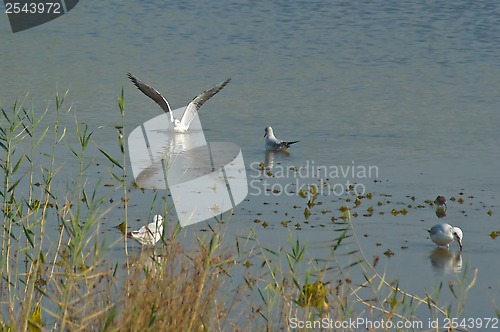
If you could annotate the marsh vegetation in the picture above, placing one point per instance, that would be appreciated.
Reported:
(56, 275)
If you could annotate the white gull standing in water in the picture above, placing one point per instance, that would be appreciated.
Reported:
(444, 234)
(272, 143)
(181, 125)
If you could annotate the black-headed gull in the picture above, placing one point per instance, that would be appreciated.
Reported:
(444, 234)
(441, 207)
(149, 234)
(272, 143)
(181, 125)
(440, 202)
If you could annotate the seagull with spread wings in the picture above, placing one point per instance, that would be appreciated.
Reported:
(181, 125)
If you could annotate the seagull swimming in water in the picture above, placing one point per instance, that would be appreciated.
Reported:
(272, 143)
(444, 234)
(441, 207)
(150, 234)
(181, 125)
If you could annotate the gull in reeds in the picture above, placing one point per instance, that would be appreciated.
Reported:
(182, 124)
(444, 234)
(149, 234)
(273, 143)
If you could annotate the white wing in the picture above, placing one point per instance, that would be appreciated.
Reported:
(277, 144)
(141, 230)
(198, 101)
(153, 94)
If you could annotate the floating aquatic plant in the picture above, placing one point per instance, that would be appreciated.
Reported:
(494, 234)
(122, 227)
(307, 213)
(389, 253)
(344, 208)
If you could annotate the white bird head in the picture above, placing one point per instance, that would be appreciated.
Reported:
(458, 236)
(179, 127)
(268, 132)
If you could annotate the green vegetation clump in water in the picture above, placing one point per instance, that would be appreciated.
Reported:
(221, 283)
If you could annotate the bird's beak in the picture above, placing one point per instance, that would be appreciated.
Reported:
(460, 244)
(445, 206)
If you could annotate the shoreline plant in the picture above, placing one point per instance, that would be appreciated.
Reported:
(218, 282)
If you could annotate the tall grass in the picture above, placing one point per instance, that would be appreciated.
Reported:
(220, 283)
(59, 275)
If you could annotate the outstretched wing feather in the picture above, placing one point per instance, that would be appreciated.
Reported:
(153, 94)
(290, 143)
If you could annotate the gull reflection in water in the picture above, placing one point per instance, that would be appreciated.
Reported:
(154, 147)
(271, 156)
(446, 261)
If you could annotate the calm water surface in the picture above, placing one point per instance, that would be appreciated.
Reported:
(412, 89)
